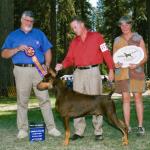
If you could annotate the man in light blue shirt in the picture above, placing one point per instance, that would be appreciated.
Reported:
(26, 75)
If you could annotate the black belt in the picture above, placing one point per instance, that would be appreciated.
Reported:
(25, 65)
(87, 67)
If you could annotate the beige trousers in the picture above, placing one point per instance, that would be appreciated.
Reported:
(88, 81)
(27, 78)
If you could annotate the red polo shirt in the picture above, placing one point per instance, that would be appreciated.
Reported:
(90, 52)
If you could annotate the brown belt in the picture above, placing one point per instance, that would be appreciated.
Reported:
(87, 67)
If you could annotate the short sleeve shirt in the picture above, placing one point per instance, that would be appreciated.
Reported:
(35, 39)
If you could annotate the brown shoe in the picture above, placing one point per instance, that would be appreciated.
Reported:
(76, 136)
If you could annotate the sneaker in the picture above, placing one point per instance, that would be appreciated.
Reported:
(140, 131)
(129, 130)
(99, 137)
(54, 132)
(22, 134)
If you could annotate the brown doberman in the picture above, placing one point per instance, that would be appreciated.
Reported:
(73, 104)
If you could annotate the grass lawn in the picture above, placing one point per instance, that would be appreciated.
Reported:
(112, 136)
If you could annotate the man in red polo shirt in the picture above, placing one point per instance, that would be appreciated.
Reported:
(86, 51)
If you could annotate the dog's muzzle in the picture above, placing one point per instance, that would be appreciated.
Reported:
(43, 86)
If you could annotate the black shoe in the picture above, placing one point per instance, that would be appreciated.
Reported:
(99, 137)
(76, 136)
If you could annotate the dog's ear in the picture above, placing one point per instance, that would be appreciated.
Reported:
(59, 74)
(52, 72)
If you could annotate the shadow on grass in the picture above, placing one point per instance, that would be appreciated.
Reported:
(112, 137)
(8, 118)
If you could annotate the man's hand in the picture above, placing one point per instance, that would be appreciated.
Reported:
(46, 67)
(58, 67)
(22, 48)
(7, 53)
(111, 75)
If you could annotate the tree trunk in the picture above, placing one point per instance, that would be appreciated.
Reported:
(6, 26)
(53, 29)
(82, 9)
(65, 38)
(148, 22)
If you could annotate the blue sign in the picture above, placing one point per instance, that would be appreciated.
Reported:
(37, 132)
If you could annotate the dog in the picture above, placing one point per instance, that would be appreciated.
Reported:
(70, 103)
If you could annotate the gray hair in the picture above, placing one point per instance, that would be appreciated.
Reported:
(125, 19)
(28, 13)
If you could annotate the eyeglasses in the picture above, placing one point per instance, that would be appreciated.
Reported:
(27, 20)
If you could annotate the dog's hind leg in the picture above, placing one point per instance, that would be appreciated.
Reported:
(112, 117)
(67, 130)
(125, 132)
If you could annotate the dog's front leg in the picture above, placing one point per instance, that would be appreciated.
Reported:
(67, 130)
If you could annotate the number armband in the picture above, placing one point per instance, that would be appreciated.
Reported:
(103, 47)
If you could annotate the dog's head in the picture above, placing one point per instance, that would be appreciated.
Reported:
(47, 82)
(51, 80)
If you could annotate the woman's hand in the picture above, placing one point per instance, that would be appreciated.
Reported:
(118, 65)
(133, 66)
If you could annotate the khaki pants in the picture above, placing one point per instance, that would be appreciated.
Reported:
(26, 78)
(88, 81)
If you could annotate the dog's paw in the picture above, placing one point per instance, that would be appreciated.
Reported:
(66, 142)
(125, 141)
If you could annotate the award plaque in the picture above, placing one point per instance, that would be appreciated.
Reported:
(128, 55)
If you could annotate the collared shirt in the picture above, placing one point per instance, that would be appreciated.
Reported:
(90, 52)
(35, 39)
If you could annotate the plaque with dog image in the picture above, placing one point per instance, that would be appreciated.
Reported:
(128, 55)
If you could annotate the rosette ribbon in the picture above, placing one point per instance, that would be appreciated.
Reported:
(31, 53)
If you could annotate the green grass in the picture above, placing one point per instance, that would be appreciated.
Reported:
(112, 136)
(12, 101)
